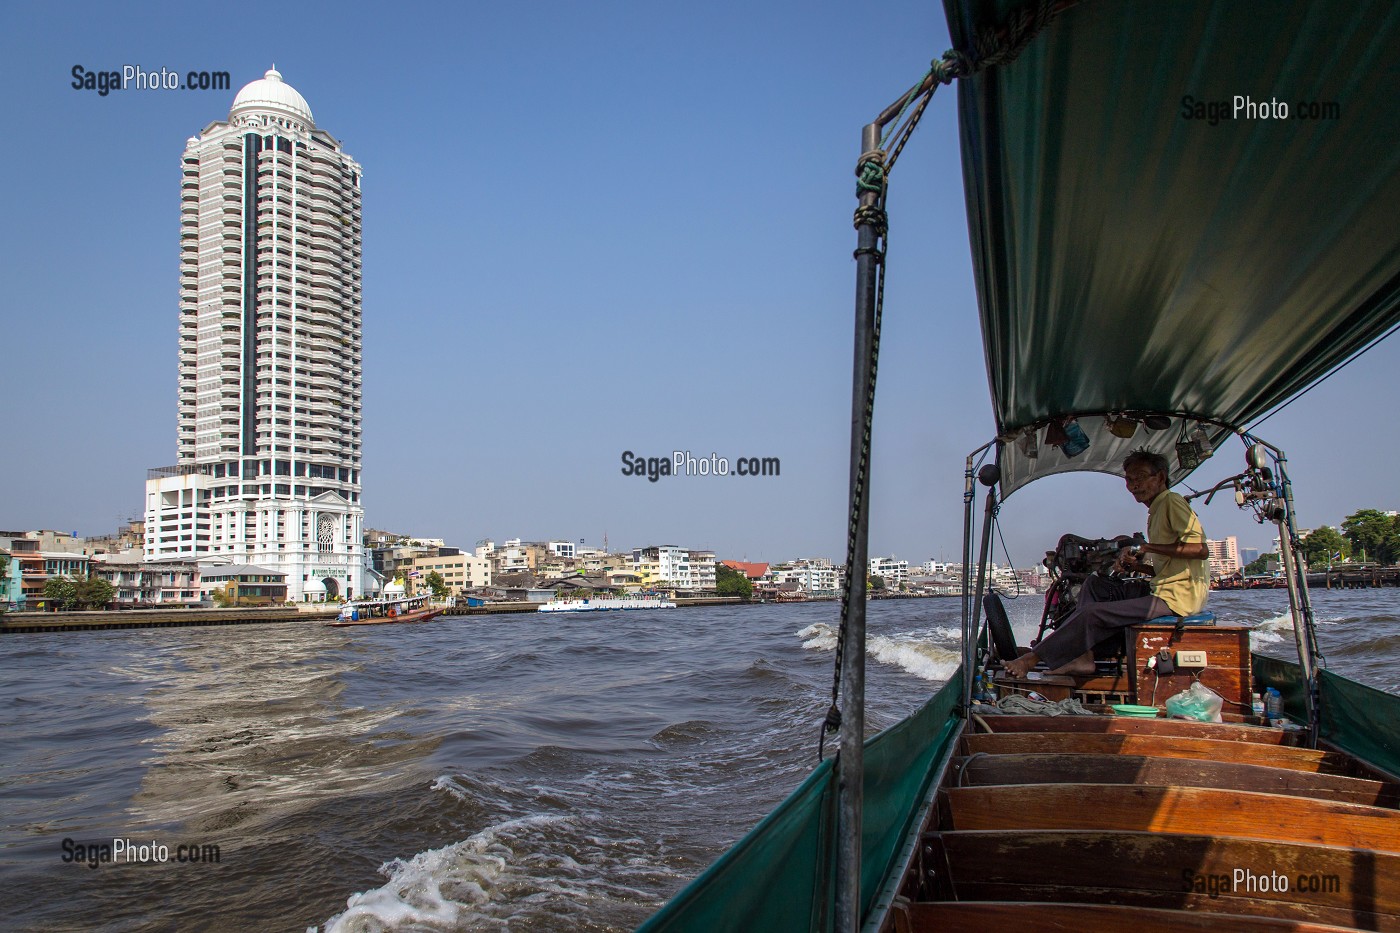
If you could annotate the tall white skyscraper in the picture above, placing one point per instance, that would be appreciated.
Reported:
(268, 452)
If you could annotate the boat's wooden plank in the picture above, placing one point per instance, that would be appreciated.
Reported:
(1091, 918)
(1344, 918)
(1363, 882)
(1162, 746)
(1364, 769)
(1206, 811)
(1128, 725)
(1139, 769)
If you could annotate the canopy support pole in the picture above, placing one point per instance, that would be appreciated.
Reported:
(850, 766)
(969, 503)
(972, 633)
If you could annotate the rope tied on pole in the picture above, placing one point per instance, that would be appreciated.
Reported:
(992, 46)
(871, 177)
(870, 173)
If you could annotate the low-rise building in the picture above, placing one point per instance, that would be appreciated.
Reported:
(36, 567)
(663, 565)
(598, 562)
(458, 571)
(60, 542)
(244, 584)
(149, 583)
(813, 576)
(702, 571)
(894, 572)
(11, 593)
(756, 572)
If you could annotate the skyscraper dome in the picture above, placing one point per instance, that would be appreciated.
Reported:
(271, 93)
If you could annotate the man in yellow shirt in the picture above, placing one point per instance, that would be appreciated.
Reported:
(1177, 563)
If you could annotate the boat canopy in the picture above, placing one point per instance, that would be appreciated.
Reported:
(1178, 208)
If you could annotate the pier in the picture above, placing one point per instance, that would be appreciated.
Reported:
(1354, 578)
(96, 620)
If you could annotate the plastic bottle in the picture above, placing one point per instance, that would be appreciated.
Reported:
(1273, 705)
(1077, 441)
(1258, 707)
(1203, 446)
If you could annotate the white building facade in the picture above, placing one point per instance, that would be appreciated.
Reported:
(813, 575)
(663, 565)
(702, 570)
(270, 367)
(1224, 556)
(894, 572)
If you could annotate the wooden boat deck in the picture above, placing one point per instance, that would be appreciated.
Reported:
(1109, 823)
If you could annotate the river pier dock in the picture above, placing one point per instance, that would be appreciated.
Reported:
(99, 620)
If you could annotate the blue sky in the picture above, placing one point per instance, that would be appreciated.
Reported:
(589, 228)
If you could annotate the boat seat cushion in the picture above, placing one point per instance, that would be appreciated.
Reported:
(1200, 618)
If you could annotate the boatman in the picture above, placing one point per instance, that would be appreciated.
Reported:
(1177, 564)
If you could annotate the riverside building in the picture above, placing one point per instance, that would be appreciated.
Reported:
(268, 441)
(1224, 556)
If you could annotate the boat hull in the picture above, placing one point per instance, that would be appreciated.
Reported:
(420, 615)
(985, 818)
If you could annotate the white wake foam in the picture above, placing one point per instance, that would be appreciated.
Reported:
(1272, 630)
(818, 637)
(913, 653)
(431, 889)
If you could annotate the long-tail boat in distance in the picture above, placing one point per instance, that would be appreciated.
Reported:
(389, 610)
(1182, 215)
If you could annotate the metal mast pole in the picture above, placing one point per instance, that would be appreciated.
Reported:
(988, 476)
(968, 598)
(1299, 599)
(850, 765)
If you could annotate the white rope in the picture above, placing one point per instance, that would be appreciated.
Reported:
(1019, 705)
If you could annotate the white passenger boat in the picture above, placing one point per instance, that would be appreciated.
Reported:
(607, 603)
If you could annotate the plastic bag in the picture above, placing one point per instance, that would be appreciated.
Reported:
(1196, 702)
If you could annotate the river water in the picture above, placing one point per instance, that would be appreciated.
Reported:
(515, 772)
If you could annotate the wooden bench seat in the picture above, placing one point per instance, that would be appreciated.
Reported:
(1198, 810)
(1079, 918)
(1161, 746)
(1128, 725)
(1189, 873)
(982, 770)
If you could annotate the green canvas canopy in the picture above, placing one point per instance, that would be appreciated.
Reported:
(1141, 244)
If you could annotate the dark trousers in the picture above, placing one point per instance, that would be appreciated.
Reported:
(1093, 621)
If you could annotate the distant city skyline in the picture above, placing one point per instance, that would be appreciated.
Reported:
(588, 229)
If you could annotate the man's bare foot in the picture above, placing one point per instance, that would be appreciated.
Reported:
(1084, 664)
(1021, 665)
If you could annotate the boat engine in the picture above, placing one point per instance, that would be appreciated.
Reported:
(1077, 562)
